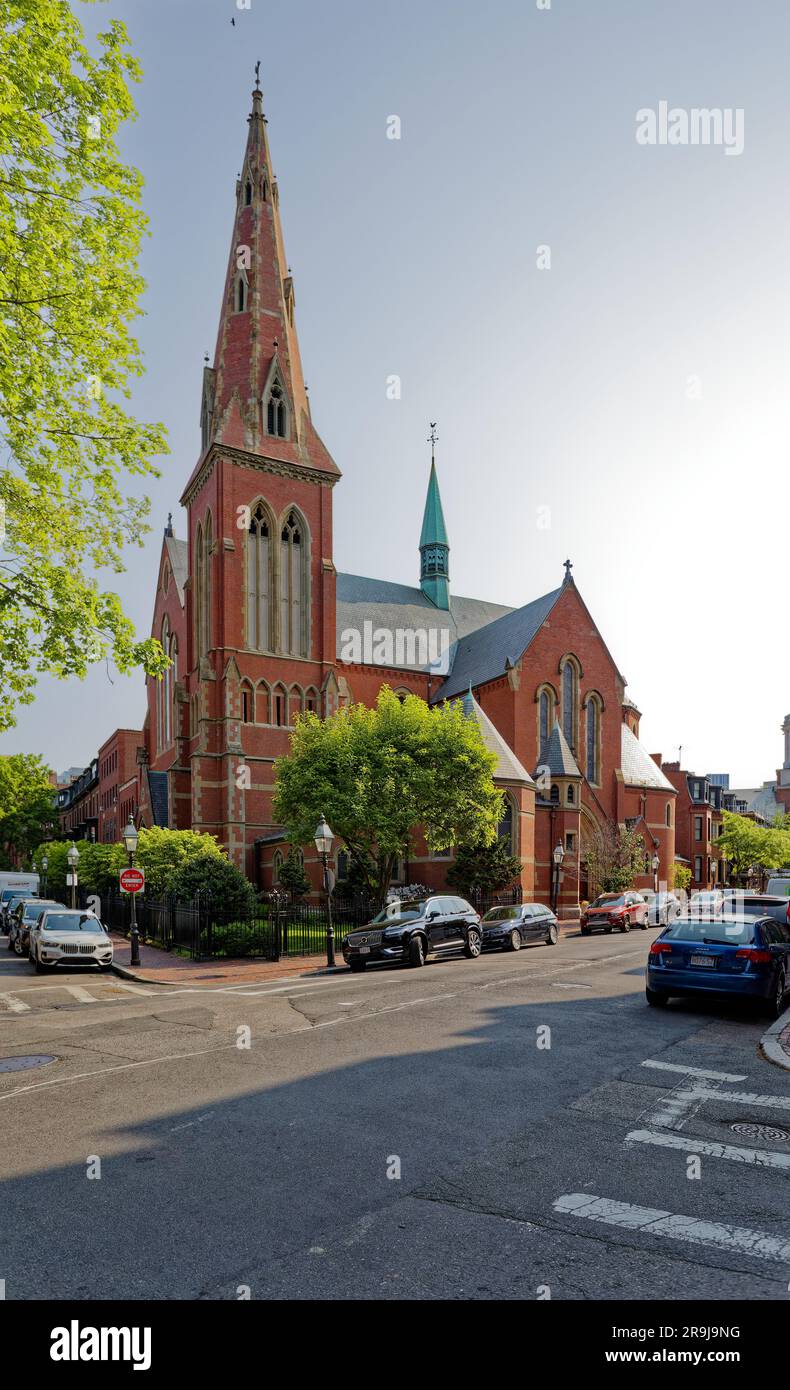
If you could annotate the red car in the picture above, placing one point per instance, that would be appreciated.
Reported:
(610, 910)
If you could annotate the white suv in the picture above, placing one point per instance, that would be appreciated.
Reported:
(63, 936)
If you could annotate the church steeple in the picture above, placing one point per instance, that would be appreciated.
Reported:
(254, 396)
(434, 547)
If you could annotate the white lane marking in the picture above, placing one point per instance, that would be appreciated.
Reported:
(555, 984)
(694, 1071)
(81, 994)
(132, 989)
(663, 1223)
(123, 1066)
(759, 1158)
(15, 1005)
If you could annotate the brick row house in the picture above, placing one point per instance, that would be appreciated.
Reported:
(260, 627)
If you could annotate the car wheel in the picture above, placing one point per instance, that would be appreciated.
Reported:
(40, 969)
(416, 951)
(18, 948)
(356, 965)
(473, 944)
(609, 930)
(513, 942)
(775, 1007)
(625, 925)
(552, 935)
(10, 943)
(656, 997)
(586, 931)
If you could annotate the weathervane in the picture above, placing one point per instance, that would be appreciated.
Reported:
(432, 440)
(258, 75)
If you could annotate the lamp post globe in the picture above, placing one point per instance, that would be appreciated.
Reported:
(44, 867)
(656, 864)
(323, 842)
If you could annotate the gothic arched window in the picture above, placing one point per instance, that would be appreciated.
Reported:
(165, 692)
(247, 704)
(247, 193)
(205, 601)
(544, 720)
(506, 826)
(259, 581)
(593, 741)
(293, 587)
(277, 412)
(199, 589)
(570, 700)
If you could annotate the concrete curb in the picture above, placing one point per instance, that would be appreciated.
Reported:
(775, 1044)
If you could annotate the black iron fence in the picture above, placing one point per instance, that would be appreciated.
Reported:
(205, 929)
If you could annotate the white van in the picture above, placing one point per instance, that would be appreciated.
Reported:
(779, 887)
(12, 884)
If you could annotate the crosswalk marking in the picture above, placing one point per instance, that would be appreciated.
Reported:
(81, 994)
(759, 1158)
(131, 989)
(693, 1071)
(663, 1223)
(15, 1005)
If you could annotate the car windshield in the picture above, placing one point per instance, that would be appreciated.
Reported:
(714, 931)
(400, 912)
(35, 910)
(502, 914)
(610, 900)
(71, 921)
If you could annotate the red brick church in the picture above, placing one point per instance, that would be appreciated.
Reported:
(261, 627)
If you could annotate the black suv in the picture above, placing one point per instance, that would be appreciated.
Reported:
(407, 930)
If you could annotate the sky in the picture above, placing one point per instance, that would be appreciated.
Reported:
(625, 407)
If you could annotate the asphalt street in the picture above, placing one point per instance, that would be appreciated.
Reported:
(522, 1126)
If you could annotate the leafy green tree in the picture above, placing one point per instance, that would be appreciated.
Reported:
(70, 230)
(27, 804)
(615, 856)
(483, 869)
(212, 875)
(749, 847)
(378, 774)
(681, 878)
(292, 876)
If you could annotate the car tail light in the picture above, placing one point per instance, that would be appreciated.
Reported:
(758, 957)
(788, 911)
(659, 948)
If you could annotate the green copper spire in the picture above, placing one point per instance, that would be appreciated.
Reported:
(434, 547)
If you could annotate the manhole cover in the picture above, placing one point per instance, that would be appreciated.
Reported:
(760, 1131)
(24, 1063)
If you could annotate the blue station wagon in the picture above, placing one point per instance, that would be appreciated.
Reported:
(727, 954)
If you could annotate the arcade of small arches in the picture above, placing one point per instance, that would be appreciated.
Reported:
(276, 705)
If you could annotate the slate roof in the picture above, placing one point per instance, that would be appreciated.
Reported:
(157, 788)
(508, 767)
(179, 560)
(557, 756)
(637, 766)
(399, 606)
(482, 654)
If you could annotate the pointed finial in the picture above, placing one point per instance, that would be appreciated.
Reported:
(258, 75)
(568, 568)
(205, 358)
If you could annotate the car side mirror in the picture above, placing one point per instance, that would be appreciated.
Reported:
(431, 916)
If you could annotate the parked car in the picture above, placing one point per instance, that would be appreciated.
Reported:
(779, 886)
(10, 899)
(662, 908)
(66, 936)
(407, 930)
(740, 956)
(759, 905)
(25, 913)
(705, 901)
(610, 910)
(520, 924)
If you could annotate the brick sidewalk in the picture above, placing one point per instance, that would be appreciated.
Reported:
(165, 968)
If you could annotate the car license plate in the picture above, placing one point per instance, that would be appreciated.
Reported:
(708, 961)
(364, 950)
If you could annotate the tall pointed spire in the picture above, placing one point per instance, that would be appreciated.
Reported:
(434, 546)
(254, 396)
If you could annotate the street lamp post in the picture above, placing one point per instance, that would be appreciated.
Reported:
(44, 867)
(323, 843)
(73, 857)
(130, 838)
(656, 863)
(559, 855)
